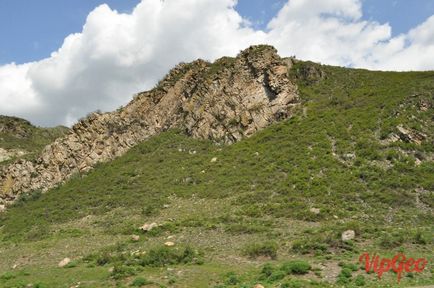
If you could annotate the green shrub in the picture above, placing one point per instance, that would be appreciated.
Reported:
(350, 266)
(305, 247)
(266, 249)
(163, 256)
(392, 240)
(294, 283)
(121, 271)
(231, 279)
(277, 275)
(72, 264)
(297, 267)
(422, 238)
(360, 280)
(7, 276)
(266, 271)
(344, 276)
(140, 281)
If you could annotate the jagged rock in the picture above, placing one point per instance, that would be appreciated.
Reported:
(408, 135)
(225, 101)
(348, 235)
(64, 262)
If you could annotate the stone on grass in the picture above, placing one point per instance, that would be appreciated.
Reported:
(314, 210)
(64, 262)
(348, 235)
(214, 160)
(148, 227)
(169, 244)
(135, 238)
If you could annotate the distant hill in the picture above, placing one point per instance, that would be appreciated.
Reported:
(19, 138)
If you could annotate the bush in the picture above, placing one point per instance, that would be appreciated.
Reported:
(266, 271)
(121, 271)
(293, 283)
(163, 256)
(351, 266)
(360, 280)
(422, 238)
(266, 249)
(345, 276)
(7, 276)
(140, 281)
(277, 275)
(71, 264)
(306, 247)
(232, 279)
(392, 240)
(296, 267)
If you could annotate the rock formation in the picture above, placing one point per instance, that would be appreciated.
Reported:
(224, 101)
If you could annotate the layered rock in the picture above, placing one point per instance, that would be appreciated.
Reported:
(225, 101)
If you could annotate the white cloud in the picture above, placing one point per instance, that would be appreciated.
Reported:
(331, 31)
(117, 55)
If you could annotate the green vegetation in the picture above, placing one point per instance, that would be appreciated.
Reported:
(266, 249)
(296, 267)
(248, 215)
(140, 281)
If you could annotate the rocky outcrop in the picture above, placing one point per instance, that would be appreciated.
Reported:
(408, 135)
(225, 101)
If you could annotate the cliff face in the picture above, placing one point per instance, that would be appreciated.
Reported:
(224, 101)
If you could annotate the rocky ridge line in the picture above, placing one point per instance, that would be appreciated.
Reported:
(225, 101)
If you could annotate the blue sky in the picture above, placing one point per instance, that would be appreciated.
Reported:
(31, 30)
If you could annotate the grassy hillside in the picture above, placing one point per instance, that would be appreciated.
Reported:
(17, 134)
(248, 213)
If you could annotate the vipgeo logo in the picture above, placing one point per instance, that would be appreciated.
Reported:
(399, 263)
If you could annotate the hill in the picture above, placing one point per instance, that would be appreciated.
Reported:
(355, 154)
(19, 138)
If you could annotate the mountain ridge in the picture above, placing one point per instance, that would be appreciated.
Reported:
(225, 101)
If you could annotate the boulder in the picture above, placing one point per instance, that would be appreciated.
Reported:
(315, 210)
(148, 227)
(64, 262)
(135, 238)
(348, 235)
(408, 135)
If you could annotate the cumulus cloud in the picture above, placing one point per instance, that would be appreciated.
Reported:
(331, 31)
(117, 55)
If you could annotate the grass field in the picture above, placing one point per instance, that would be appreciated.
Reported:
(247, 217)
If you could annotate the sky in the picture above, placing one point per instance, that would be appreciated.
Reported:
(61, 59)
